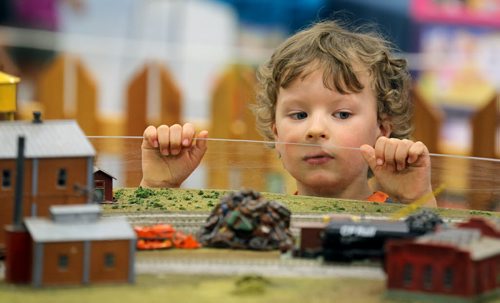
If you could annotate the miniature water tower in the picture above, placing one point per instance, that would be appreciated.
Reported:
(8, 96)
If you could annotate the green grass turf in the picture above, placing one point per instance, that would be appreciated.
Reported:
(175, 200)
(216, 289)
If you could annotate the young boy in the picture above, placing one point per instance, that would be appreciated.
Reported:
(328, 86)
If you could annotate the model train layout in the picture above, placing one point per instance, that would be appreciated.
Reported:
(85, 241)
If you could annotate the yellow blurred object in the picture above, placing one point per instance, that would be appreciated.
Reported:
(412, 207)
(8, 94)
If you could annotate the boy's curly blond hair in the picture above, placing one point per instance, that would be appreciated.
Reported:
(337, 50)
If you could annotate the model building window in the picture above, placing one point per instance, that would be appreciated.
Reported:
(407, 274)
(63, 262)
(109, 260)
(6, 179)
(62, 177)
(448, 278)
(427, 277)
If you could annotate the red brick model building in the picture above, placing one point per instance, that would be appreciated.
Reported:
(74, 246)
(58, 167)
(103, 186)
(487, 227)
(457, 263)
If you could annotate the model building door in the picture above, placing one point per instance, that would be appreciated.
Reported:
(99, 191)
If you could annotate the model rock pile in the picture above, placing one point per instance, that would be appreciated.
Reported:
(423, 221)
(246, 220)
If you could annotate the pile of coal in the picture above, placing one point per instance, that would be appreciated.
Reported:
(246, 220)
(423, 221)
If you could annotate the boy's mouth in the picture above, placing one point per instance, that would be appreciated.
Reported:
(318, 158)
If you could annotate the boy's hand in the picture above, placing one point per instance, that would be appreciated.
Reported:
(402, 168)
(169, 155)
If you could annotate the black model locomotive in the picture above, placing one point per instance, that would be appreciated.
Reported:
(347, 240)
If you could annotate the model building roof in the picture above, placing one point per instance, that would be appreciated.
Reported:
(467, 239)
(75, 213)
(43, 230)
(97, 169)
(47, 139)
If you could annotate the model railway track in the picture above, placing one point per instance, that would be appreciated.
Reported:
(190, 222)
(282, 268)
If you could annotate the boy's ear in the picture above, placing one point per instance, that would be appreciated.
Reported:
(385, 126)
(275, 130)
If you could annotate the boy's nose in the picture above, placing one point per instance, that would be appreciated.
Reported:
(317, 130)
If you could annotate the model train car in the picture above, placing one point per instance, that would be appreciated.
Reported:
(346, 239)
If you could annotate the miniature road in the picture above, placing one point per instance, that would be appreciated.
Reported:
(268, 268)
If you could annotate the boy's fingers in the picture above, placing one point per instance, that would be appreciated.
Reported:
(401, 154)
(175, 139)
(163, 133)
(368, 154)
(187, 134)
(390, 152)
(150, 137)
(202, 143)
(200, 146)
(415, 151)
(380, 150)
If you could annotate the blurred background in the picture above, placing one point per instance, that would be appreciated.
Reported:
(118, 66)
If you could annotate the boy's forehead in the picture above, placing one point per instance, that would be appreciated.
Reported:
(361, 72)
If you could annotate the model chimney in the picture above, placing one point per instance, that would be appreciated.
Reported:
(18, 196)
(37, 117)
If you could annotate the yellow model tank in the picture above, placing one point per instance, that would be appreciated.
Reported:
(8, 95)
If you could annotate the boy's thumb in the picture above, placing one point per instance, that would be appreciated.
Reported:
(368, 153)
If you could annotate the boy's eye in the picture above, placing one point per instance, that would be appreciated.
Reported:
(299, 115)
(342, 115)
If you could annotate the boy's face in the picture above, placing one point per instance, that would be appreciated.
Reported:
(308, 112)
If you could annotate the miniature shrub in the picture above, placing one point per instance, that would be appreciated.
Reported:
(119, 194)
(251, 285)
(135, 200)
(478, 212)
(211, 195)
(166, 192)
(141, 192)
(156, 204)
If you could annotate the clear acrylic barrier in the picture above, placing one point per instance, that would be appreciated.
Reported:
(469, 183)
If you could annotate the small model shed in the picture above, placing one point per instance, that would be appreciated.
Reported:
(77, 246)
(458, 263)
(103, 186)
(58, 167)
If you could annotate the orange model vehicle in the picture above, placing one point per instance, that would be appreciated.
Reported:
(163, 236)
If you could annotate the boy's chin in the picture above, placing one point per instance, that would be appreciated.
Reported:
(319, 179)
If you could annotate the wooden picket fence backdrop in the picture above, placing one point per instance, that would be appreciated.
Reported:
(230, 115)
(485, 143)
